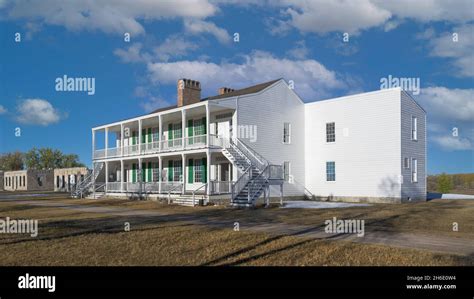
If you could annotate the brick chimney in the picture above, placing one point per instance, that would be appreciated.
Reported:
(224, 90)
(189, 92)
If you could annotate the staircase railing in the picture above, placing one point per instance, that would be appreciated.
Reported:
(250, 154)
(241, 182)
(80, 188)
(255, 184)
(178, 186)
(308, 195)
(194, 193)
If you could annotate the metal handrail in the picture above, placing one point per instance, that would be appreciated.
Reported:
(234, 185)
(194, 193)
(172, 189)
(249, 198)
(259, 158)
(306, 191)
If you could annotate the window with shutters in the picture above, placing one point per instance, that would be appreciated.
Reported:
(198, 171)
(177, 171)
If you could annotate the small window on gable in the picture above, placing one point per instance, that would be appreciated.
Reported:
(406, 163)
(286, 133)
(414, 128)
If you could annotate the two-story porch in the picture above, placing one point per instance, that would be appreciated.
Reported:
(175, 151)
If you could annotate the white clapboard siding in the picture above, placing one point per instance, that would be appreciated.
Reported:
(367, 147)
(413, 149)
(269, 110)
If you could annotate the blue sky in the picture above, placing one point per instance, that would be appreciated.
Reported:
(296, 40)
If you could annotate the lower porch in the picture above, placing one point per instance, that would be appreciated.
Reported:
(200, 174)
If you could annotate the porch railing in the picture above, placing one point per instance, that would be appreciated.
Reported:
(189, 142)
(220, 187)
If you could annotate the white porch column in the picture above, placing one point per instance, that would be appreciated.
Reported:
(208, 119)
(121, 139)
(160, 173)
(183, 163)
(183, 127)
(160, 132)
(106, 175)
(140, 175)
(106, 140)
(139, 136)
(281, 194)
(122, 176)
(93, 143)
(208, 176)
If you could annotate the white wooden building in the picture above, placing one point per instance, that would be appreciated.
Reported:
(261, 141)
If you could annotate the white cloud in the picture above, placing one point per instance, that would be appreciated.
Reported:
(110, 16)
(322, 16)
(3, 110)
(173, 46)
(312, 79)
(459, 11)
(461, 51)
(149, 100)
(37, 112)
(132, 54)
(449, 109)
(300, 51)
(456, 105)
(451, 143)
(194, 26)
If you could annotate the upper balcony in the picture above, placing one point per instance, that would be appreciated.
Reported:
(186, 128)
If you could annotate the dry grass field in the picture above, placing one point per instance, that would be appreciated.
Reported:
(68, 236)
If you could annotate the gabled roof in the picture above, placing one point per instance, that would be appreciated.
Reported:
(243, 91)
(238, 92)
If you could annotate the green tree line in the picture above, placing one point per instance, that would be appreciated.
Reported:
(445, 183)
(38, 158)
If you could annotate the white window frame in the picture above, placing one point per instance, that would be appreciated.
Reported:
(414, 170)
(406, 163)
(287, 136)
(198, 127)
(329, 134)
(198, 169)
(327, 172)
(414, 128)
(177, 164)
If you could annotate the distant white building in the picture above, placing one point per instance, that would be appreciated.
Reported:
(265, 141)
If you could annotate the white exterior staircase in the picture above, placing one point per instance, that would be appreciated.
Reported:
(257, 174)
(86, 186)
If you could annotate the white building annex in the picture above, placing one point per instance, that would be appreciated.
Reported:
(261, 141)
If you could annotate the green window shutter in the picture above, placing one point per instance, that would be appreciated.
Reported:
(134, 173)
(143, 135)
(149, 135)
(134, 137)
(143, 171)
(204, 126)
(149, 169)
(170, 170)
(204, 170)
(190, 171)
